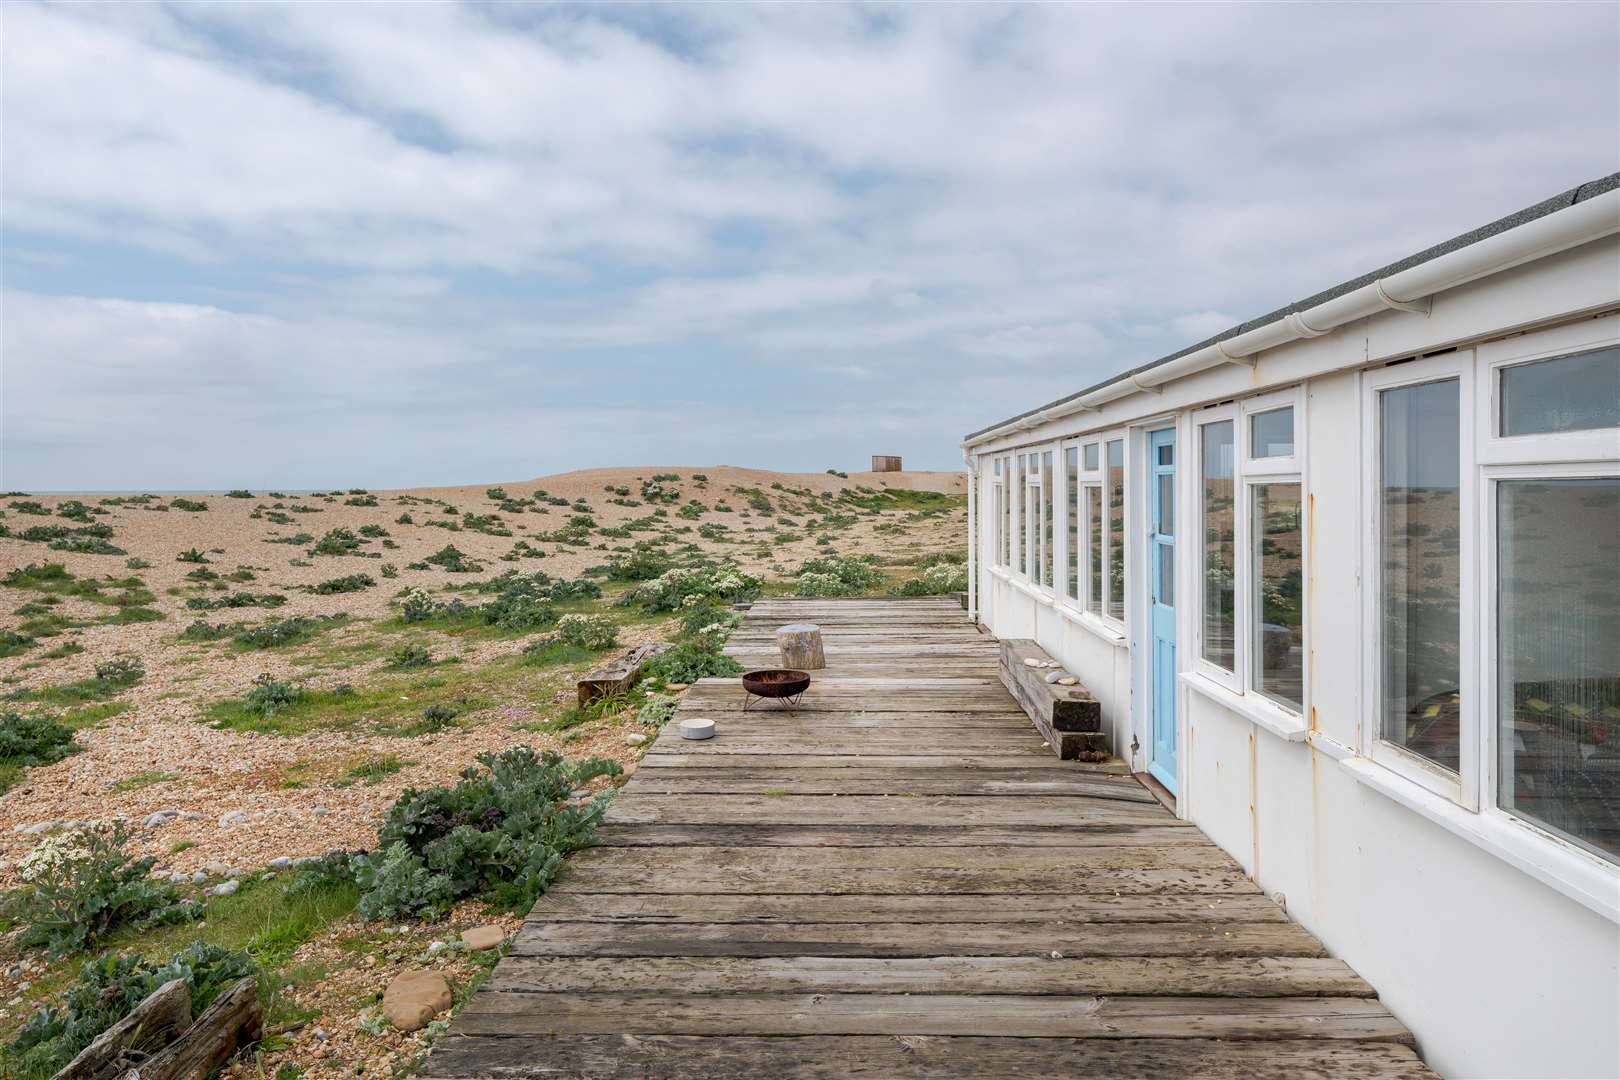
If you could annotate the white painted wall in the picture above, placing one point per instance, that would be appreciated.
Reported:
(1497, 971)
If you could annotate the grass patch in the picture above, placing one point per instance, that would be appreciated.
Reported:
(390, 706)
(143, 780)
(372, 770)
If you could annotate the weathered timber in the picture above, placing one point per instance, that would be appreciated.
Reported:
(160, 1016)
(914, 1057)
(898, 939)
(903, 881)
(232, 1022)
(800, 646)
(616, 676)
(1266, 976)
(932, 1014)
(1069, 718)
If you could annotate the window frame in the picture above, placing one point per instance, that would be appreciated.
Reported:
(1247, 474)
(1462, 787)
(1078, 601)
(999, 464)
(1493, 358)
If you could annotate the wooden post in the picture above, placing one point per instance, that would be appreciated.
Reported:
(801, 646)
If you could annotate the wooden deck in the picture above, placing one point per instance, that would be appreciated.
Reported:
(899, 880)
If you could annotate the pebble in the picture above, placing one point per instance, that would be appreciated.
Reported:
(636, 740)
(280, 862)
(1030, 661)
(233, 817)
(226, 888)
(235, 872)
(1068, 680)
(321, 811)
(162, 817)
(215, 869)
(35, 830)
(1053, 676)
(479, 938)
(199, 876)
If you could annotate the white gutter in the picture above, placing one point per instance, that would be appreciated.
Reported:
(972, 461)
(1405, 290)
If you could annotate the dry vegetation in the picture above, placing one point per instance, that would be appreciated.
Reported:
(168, 615)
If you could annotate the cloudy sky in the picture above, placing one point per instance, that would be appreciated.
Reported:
(317, 244)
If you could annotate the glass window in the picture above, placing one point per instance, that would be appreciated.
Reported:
(1022, 498)
(1220, 544)
(1048, 552)
(1565, 393)
(1420, 552)
(1092, 462)
(1094, 547)
(1116, 528)
(1271, 434)
(1071, 488)
(1558, 656)
(1279, 594)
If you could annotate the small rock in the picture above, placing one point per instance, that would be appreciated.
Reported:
(193, 815)
(235, 872)
(177, 878)
(226, 888)
(677, 687)
(162, 817)
(1056, 955)
(414, 998)
(36, 829)
(1030, 661)
(199, 876)
(1053, 676)
(580, 794)
(216, 869)
(479, 938)
(321, 811)
(280, 862)
(320, 1033)
(1068, 680)
(233, 817)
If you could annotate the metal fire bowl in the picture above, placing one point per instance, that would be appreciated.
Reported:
(783, 683)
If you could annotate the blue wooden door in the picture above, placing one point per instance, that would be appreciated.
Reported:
(1161, 567)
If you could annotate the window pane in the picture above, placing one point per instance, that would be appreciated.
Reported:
(1558, 656)
(1271, 434)
(1094, 547)
(1071, 473)
(1092, 464)
(1167, 504)
(1116, 528)
(1420, 556)
(1219, 544)
(1047, 551)
(1566, 393)
(998, 510)
(1279, 595)
(1022, 495)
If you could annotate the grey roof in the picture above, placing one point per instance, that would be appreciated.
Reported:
(1579, 193)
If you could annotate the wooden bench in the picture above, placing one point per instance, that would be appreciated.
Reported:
(617, 676)
(1069, 718)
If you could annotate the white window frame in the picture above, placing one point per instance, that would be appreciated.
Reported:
(1247, 473)
(1085, 479)
(999, 465)
(1461, 787)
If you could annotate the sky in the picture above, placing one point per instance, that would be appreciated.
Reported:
(311, 245)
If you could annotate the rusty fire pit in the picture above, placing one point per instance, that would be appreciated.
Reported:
(782, 684)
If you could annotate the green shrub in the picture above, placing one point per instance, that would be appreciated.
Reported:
(29, 506)
(501, 832)
(687, 662)
(351, 583)
(673, 589)
(191, 555)
(269, 696)
(435, 718)
(416, 605)
(453, 560)
(338, 541)
(280, 632)
(587, 631)
(373, 531)
(137, 564)
(643, 564)
(389, 570)
(33, 740)
(239, 493)
(937, 580)
(203, 631)
(658, 709)
(15, 644)
(79, 886)
(361, 500)
(495, 494)
(296, 539)
(236, 600)
(120, 671)
(107, 990)
(836, 575)
(409, 656)
(195, 506)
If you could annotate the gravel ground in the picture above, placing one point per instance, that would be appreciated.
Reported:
(230, 790)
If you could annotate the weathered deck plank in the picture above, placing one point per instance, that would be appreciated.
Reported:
(899, 880)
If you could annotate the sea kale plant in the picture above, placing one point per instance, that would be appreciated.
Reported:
(836, 575)
(672, 589)
(78, 886)
(500, 832)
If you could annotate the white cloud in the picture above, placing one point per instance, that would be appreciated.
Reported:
(958, 210)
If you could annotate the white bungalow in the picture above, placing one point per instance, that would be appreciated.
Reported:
(1346, 582)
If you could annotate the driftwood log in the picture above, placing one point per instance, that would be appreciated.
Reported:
(155, 1022)
(233, 1021)
(800, 644)
(159, 1041)
(617, 676)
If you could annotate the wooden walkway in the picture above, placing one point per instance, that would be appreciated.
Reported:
(900, 881)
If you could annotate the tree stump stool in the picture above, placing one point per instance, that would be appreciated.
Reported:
(801, 646)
